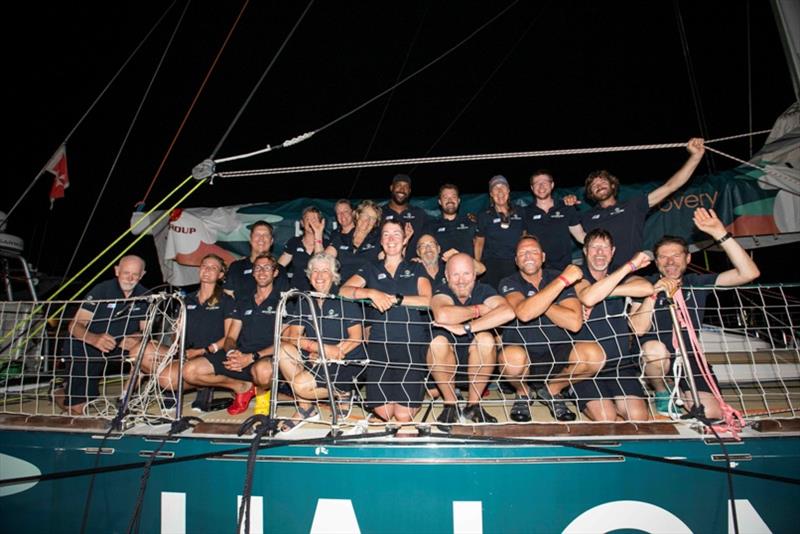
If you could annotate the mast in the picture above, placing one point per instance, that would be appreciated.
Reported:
(787, 19)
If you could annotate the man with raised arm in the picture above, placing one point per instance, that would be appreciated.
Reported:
(536, 346)
(465, 313)
(625, 219)
(454, 232)
(651, 319)
(101, 330)
(552, 221)
(616, 391)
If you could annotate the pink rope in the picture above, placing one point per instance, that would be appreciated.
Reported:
(733, 421)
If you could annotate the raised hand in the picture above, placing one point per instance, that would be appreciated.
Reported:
(707, 221)
(666, 285)
(571, 200)
(640, 260)
(572, 273)
(696, 146)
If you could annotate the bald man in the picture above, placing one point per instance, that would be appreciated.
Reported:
(100, 330)
(463, 351)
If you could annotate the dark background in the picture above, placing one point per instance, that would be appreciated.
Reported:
(545, 75)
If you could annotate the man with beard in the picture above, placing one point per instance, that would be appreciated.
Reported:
(102, 330)
(616, 391)
(463, 351)
(625, 219)
(454, 232)
(552, 221)
(399, 209)
(429, 254)
(239, 280)
(651, 318)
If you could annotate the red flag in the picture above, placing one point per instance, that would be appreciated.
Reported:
(58, 166)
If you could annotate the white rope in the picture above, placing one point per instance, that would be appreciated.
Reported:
(451, 159)
(765, 170)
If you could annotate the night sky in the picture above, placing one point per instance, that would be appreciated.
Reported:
(544, 75)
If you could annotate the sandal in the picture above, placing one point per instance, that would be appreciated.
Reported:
(307, 416)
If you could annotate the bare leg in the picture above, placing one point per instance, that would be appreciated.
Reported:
(442, 363)
(656, 360)
(481, 363)
(585, 361)
(514, 367)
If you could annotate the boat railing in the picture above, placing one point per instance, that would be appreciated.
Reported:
(756, 362)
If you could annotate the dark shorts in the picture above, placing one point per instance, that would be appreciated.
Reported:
(609, 385)
(396, 373)
(546, 361)
(217, 361)
(86, 368)
(344, 374)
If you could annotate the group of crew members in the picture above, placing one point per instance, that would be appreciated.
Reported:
(446, 306)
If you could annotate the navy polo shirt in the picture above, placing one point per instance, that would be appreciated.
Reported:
(350, 256)
(608, 325)
(439, 279)
(205, 323)
(258, 321)
(335, 315)
(239, 278)
(625, 222)
(501, 243)
(695, 302)
(412, 214)
(541, 330)
(480, 293)
(552, 229)
(297, 250)
(398, 323)
(118, 317)
(458, 233)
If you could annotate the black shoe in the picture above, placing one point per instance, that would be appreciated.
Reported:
(476, 414)
(520, 410)
(203, 400)
(556, 405)
(448, 417)
(505, 387)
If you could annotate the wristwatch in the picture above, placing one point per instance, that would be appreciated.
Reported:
(399, 298)
(724, 238)
(468, 328)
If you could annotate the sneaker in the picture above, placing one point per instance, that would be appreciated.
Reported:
(476, 414)
(448, 417)
(520, 410)
(556, 405)
(662, 402)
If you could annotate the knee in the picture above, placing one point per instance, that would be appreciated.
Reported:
(598, 410)
(262, 373)
(590, 355)
(654, 351)
(484, 342)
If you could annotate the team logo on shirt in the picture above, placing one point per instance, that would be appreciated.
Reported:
(497, 220)
(332, 313)
(248, 312)
(248, 271)
(406, 274)
(557, 215)
(300, 249)
(191, 306)
(368, 246)
(343, 247)
(442, 229)
(111, 305)
(595, 217)
(505, 289)
(531, 292)
(617, 211)
(381, 276)
(537, 217)
(462, 226)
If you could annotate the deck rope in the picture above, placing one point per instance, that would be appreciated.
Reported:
(458, 158)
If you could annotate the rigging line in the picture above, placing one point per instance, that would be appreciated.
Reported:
(764, 169)
(749, 74)
(91, 107)
(80, 291)
(194, 101)
(389, 100)
(695, 90)
(484, 84)
(125, 139)
(260, 80)
(307, 135)
(465, 157)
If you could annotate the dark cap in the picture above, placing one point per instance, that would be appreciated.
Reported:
(401, 178)
(498, 179)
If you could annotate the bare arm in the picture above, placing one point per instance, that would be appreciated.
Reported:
(423, 296)
(331, 251)
(696, 149)
(79, 329)
(479, 241)
(744, 269)
(578, 233)
(568, 314)
(640, 314)
(636, 286)
(285, 259)
(528, 309)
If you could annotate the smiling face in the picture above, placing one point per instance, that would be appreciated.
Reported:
(428, 249)
(367, 219)
(599, 253)
(211, 270)
(500, 194)
(321, 275)
(542, 186)
(264, 271)
(449, 201)
(529, 257)
(260, 240)
(672, 260)
(344, 214)
(129, 271)
(392, 238)
(460, 274)
(311, 217)
(401, 192)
